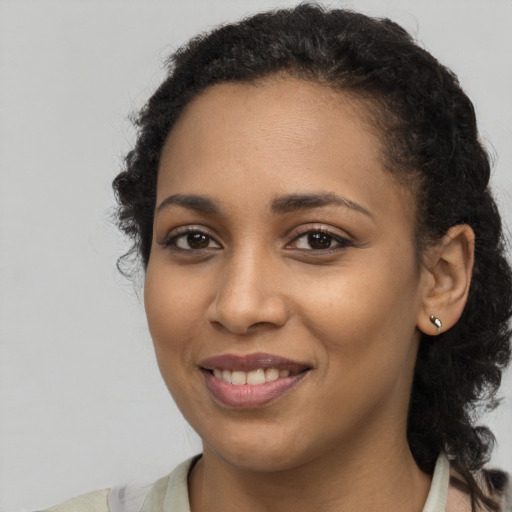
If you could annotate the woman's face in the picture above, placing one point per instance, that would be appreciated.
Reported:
(282, 290)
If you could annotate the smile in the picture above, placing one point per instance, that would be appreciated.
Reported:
(253, 378)
(250, 381)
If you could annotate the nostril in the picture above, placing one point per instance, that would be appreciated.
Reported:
(243, 308)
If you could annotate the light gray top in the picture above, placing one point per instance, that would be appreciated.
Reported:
(170, 494)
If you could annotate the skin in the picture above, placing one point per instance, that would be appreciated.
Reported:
(337, 440)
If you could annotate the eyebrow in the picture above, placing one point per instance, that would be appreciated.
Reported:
(297, 202)
(200, 204)
(283, 204)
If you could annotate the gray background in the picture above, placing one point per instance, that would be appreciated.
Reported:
(82, 403)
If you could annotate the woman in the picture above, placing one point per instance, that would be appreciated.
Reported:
(326, 285)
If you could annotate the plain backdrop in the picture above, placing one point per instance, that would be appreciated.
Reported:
(82, 405)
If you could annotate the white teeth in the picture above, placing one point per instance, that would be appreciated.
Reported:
(238, 378)
(256, 377)
(253, 378)
(271, 374)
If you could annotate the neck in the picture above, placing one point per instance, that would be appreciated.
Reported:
(354, 480)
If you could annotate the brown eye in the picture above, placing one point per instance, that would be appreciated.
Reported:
(319, 241)
(198, 240)
(192, 241)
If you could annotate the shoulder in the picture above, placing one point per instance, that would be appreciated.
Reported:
(96, 501)
(168, 493)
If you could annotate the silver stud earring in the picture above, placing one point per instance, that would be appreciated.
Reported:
(435, 321)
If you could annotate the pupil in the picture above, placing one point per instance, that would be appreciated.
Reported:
(319, 240)
(198, 240)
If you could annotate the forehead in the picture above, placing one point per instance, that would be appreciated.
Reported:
(294, 113)
(273, 137)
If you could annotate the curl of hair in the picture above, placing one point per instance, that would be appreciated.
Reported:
(429, 141)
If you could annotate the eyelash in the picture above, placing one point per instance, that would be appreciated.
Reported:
(171, 241)
(342, 242)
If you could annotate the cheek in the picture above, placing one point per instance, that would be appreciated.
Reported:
(365, 325)
(363, 306)
(174, 317)
(173, 314)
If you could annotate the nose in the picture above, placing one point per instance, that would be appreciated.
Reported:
(249, 297)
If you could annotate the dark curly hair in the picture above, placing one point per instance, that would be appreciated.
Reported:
(429, 141)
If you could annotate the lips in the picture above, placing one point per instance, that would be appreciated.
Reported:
(250, 381)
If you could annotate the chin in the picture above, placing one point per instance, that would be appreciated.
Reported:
(258, 460)
(257, 449)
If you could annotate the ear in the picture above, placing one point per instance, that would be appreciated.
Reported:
(447, 269)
